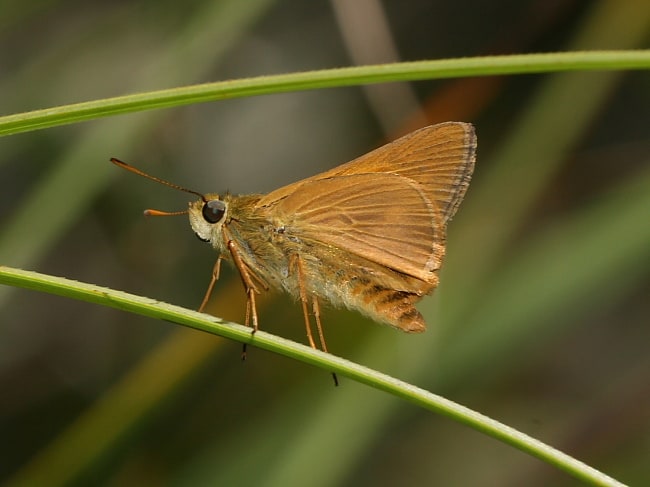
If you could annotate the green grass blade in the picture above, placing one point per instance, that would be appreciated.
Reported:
(327, 78)
(198, 321)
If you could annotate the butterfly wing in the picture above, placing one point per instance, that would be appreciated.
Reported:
(384, 218)
(440, 158)
(389, 209)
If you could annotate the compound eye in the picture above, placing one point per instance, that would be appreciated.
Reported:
(213, 211)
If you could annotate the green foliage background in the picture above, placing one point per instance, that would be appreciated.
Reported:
(541, 320)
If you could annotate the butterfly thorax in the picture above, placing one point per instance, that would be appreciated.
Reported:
(252, 234)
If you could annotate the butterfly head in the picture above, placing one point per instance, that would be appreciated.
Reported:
(207, 216)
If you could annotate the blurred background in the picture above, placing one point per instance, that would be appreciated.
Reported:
(541, 320)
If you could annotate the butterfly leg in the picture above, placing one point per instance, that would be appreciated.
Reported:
(215, 277)
(296, 263)
(249, 285)
(321, 335)
(319, 327)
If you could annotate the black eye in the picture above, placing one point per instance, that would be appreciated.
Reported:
(213, 211)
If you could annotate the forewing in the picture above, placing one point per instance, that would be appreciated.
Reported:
(384, 218)
(439, 158)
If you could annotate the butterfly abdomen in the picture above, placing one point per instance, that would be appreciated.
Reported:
(393, 307)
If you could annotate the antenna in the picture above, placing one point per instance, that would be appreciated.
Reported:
(139, 172)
